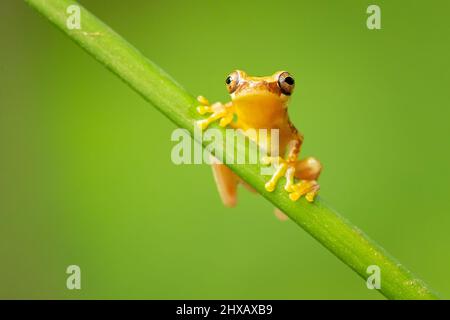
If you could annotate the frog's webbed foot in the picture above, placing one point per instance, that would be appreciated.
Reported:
(287, 168)
(282, 168)
(224, 112)
(309, 188)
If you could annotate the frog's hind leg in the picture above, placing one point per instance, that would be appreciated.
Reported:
(307, 170)
(227, 183)
(280, 215)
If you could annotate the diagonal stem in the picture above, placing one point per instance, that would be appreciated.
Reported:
(334, 232)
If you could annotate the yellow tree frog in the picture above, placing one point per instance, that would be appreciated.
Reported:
(262, 103)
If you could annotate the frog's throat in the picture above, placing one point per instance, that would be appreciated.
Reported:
(256, 110)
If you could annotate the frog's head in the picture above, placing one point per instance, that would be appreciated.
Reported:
(260, 92)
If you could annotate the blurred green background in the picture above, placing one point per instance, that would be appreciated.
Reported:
(85, 170)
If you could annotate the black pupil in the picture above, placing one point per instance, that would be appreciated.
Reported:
(228, 80)
(289, 80)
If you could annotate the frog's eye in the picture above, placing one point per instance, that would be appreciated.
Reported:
(286, 83)
(232, 81)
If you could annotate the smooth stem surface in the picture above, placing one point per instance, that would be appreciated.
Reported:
(338, 235)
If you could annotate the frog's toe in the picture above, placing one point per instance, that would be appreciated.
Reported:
(282, 168)
(203, 101)
(203, 124)
(226, 120)
(308, 188)
(204, 109)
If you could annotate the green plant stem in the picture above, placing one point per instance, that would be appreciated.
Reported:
(338, 235)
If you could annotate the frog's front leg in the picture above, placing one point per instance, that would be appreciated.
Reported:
(224, 112)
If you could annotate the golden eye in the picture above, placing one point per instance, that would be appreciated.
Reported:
(232, 81)
(286, 83)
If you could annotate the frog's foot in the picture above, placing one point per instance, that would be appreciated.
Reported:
(224, 112)
(286, 168)
(282, 168)
(309, 188)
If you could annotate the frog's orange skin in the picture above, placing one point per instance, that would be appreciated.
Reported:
(261, 103)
